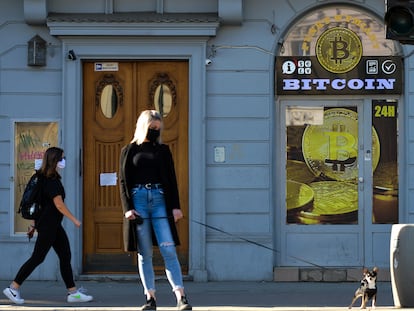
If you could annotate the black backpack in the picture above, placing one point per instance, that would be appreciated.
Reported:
(30, 207)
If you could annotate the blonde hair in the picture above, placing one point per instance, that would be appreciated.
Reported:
(143, 122)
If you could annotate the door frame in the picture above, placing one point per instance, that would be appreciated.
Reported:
(135, 80)
(88, 48)
(362, 232)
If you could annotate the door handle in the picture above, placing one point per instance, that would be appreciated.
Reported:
(361, 183)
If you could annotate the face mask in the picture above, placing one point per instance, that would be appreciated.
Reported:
(61, 163)
(153, 135)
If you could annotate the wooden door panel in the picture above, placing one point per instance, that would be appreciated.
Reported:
(105, 131)
(103, 139)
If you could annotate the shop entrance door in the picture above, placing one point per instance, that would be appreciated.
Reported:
(114, 94)
(341, 190)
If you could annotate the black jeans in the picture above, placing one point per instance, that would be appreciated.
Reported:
(46, 239)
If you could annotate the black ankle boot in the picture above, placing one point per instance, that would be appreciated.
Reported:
(183, 304)
(150, 304)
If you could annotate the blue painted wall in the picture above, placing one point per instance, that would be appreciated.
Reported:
(232, 104)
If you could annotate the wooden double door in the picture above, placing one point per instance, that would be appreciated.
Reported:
(114, 94)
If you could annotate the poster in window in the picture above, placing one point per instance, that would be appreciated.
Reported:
(385, 177)
(322, 165)
(31, 140)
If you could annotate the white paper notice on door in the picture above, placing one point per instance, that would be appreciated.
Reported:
(107, 179)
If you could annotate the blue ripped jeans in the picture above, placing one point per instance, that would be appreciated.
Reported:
(150, 204)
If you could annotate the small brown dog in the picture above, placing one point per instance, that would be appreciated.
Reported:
(367, 290)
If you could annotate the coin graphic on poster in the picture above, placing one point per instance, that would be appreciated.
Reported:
(385, 198)
(299, 197)
(331, 150)
(334, 202)
(298, 171)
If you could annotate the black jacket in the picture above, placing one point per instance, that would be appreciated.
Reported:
(168, 181)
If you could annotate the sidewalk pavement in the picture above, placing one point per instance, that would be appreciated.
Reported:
(224, 296)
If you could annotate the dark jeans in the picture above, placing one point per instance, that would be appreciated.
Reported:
(46, 239)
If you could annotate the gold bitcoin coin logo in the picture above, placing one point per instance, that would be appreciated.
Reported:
(334, 198)
(339, 50)
(335, 202)
(331, 150)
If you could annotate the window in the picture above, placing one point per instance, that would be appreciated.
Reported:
(31, 139)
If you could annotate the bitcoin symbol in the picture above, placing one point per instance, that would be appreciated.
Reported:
(342, 152)
(331, 150)
(339, 50)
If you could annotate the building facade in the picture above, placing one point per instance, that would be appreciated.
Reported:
(289, 122)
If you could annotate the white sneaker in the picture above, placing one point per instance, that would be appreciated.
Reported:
(78, 296)
(13, 295)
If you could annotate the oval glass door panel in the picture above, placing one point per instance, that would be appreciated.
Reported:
(163, 100)
(109, 101)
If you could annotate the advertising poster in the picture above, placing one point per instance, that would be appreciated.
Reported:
(385, 177)
(322, 164)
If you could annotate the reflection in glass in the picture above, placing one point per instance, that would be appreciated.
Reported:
(109, 101)
(163, 100)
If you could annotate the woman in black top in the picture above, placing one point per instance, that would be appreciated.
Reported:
(50, 230)
(151, 206)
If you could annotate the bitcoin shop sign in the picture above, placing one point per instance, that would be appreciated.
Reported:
(338, 67)
(296, 75)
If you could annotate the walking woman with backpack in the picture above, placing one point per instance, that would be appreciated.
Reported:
(51, 233)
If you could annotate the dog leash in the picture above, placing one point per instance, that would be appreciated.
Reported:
(254, 242)
(248, 241)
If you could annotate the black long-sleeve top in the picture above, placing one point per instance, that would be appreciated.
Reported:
(146, 165)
